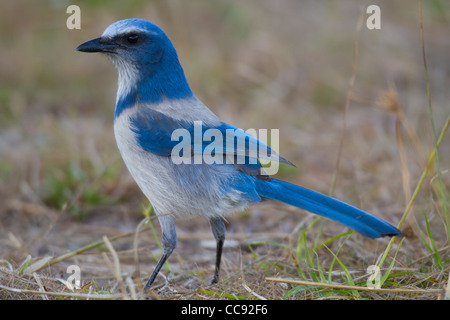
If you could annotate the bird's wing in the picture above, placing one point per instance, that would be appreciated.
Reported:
(161, 135)
(240, 143)
(153, 130)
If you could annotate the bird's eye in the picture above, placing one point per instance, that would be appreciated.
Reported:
(132, 38)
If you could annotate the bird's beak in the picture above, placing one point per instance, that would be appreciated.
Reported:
(97, 45)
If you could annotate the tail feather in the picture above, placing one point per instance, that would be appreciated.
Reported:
(363, 222)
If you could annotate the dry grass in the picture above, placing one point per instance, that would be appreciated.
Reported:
(357, 114)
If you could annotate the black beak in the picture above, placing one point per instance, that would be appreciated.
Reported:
(97, 45)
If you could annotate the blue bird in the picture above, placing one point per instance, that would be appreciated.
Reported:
(153, 101)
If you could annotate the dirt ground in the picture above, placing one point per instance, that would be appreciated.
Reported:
(350, 103)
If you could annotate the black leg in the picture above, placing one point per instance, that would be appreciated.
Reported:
(157, 269)
(169, 242)
(218, 230)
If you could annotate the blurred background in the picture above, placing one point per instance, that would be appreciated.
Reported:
(283, 64)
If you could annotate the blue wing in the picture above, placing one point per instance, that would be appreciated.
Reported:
(154, 132)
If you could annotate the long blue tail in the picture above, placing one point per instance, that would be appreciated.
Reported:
(363, 222)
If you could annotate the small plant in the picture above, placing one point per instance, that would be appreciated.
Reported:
(69, 189)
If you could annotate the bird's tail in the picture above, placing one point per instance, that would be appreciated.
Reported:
(363, 222)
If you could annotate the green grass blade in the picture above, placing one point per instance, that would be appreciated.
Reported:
(442, 190)
(416, 191)
(386, 275)
(435, 251)
(349, 279)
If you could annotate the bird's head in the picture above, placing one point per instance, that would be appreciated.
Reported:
(145, 58)
(136, 42)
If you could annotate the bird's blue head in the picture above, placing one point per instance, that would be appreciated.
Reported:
(147, 63)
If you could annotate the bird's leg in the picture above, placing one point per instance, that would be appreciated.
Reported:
(169, 242)
(218, 230)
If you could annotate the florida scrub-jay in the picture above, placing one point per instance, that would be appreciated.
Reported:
(154, 99)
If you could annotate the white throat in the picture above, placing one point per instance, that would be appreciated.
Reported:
(128, 75)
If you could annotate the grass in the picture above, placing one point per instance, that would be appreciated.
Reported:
(442, 194)
(363, 114)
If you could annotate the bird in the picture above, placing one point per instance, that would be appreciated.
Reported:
(153, 101)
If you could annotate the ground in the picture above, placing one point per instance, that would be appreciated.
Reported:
(353, 113)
